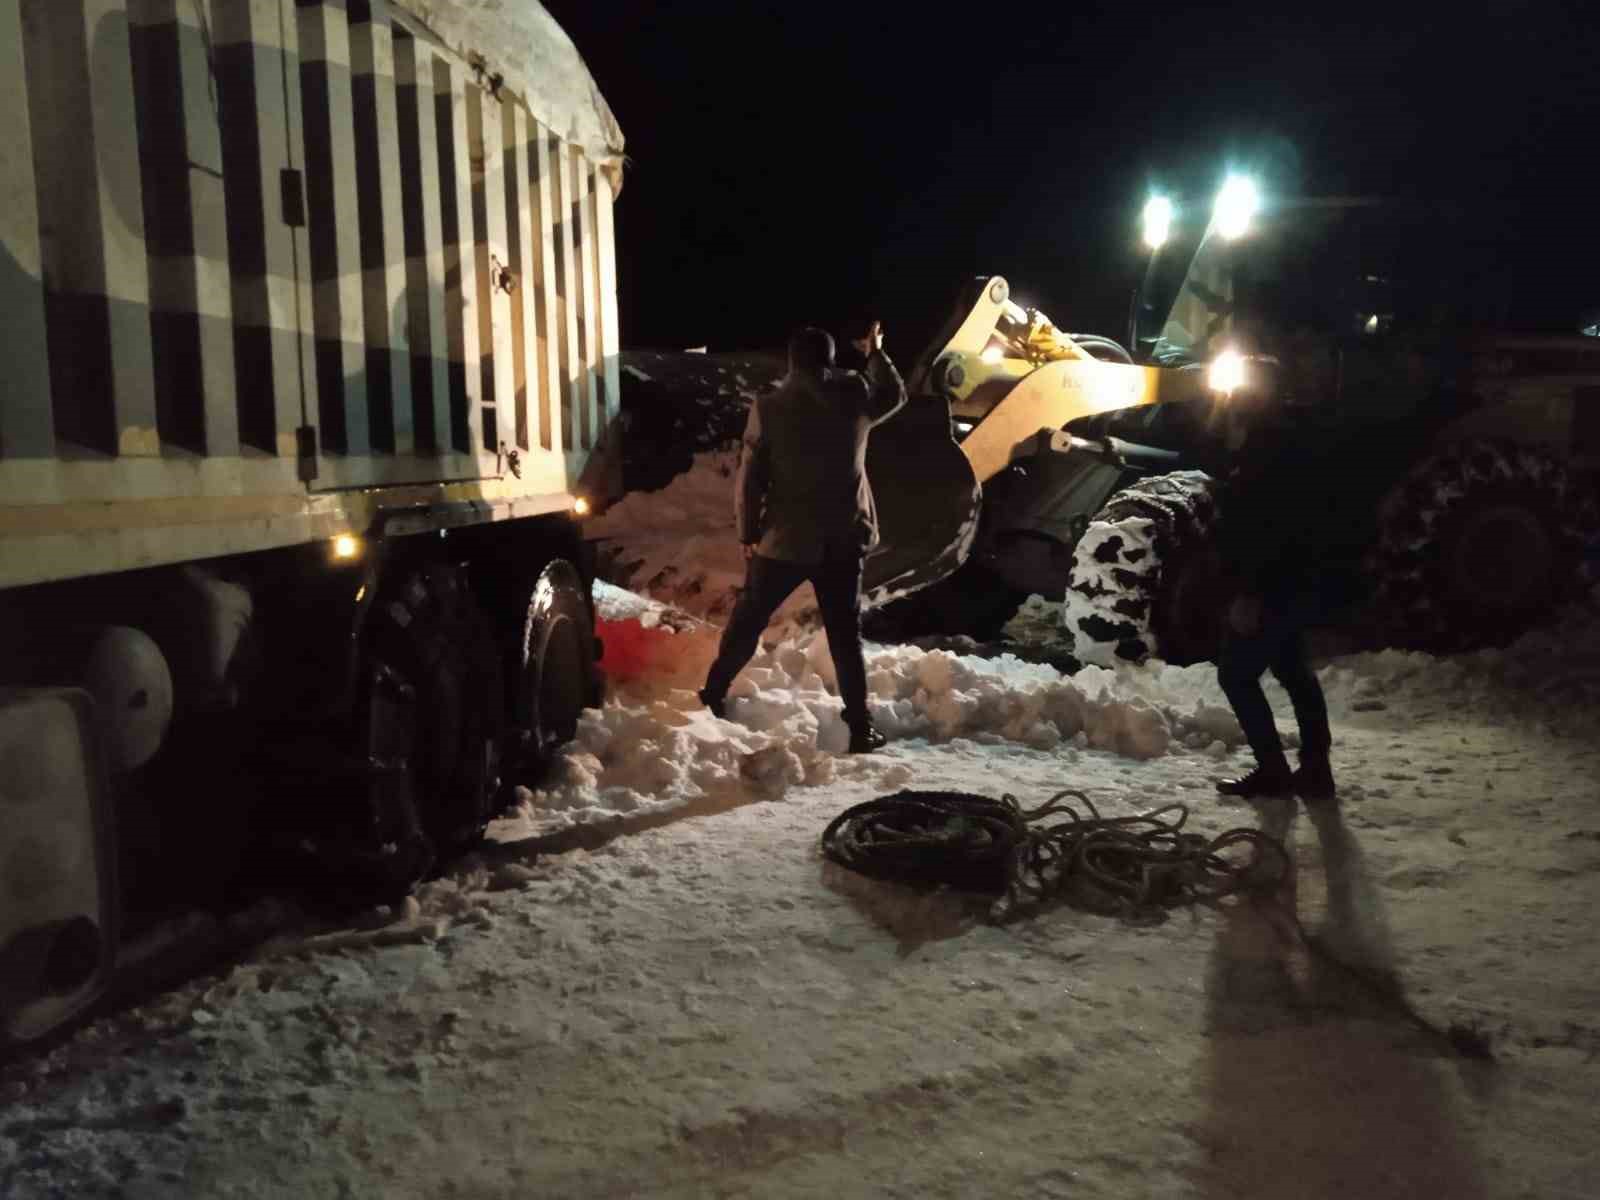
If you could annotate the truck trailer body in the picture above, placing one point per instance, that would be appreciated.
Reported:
(312, 355)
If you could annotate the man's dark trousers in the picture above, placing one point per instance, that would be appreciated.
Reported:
(1277, 645)
(768, 583)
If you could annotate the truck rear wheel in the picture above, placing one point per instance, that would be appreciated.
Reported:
(434, 639)
(1475, 545)
(557, 650)
(1144, 577)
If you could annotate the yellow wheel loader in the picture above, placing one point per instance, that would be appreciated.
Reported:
(1032, 461)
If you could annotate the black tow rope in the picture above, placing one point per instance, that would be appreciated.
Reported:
(1136, 866)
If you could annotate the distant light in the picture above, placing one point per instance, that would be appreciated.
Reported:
(992, 354)
(1591, 330)
(1237, 204)
(963, 426)
(1227, 372)
(1372, 324)
(1157, 221)
(580, 506)
(346, 546)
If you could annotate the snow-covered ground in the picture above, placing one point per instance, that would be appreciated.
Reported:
(649, 981)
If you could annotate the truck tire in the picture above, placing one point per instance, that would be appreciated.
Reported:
(557, 680)
(1143, 582)
(435, 641)
(1475, 545)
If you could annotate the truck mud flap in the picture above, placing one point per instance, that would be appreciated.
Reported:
(927, 498)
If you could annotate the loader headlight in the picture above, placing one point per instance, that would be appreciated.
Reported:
(1236, 207)
(1226, 373)
(1157, 221)
(992, 354)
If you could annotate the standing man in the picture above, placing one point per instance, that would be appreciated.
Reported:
(804, 511)
(1271, 540)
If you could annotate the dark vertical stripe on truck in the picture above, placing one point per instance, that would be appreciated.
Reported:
(234, 67)
(369, 197)
(168, 226)
(322, 229)
(420, 333)
(26, 425)
(583, 274)
(516, 217)
(72, 252)
(460, 431)
(543, 271)
(562, 292)
(478, 162)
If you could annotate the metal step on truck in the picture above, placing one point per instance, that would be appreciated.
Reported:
(311, 375)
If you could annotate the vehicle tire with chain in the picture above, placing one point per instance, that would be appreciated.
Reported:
(1477, 544)
(1144, 578)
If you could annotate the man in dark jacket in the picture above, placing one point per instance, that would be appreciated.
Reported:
(804, 511)
(1272, 538)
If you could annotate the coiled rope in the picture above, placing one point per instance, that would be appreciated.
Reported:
(1135, 866)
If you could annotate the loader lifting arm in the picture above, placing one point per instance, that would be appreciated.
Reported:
(1002, 375)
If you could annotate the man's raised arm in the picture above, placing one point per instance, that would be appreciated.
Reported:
(886, 391)
(755, 472)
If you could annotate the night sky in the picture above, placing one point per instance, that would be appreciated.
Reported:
(801, 162)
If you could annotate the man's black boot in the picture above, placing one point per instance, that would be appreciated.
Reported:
(717, 704)
(1314, 780)
(1271, 778)
(865, 737)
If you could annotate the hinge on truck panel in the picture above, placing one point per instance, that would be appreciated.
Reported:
(294, 198)
(305, 442)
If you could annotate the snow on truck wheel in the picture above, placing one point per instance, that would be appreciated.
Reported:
(436, 650)
(553, 685)
(1143, 578)
(1477, 542)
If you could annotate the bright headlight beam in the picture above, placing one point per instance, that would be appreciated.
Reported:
(1237, 204)
(992, 354)
(1157, 221)
(1226, 374)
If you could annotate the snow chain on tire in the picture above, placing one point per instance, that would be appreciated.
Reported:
(1117, 567)
(433, 636)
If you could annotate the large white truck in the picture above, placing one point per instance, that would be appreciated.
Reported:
(310, 376)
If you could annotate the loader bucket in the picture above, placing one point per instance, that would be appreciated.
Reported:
(927, 499)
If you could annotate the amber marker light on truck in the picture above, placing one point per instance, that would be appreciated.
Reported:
(346, 547)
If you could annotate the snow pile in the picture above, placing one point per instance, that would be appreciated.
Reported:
(653, 748)
(1549, 675)
(679, 544)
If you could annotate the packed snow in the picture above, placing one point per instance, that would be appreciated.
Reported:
(648, 981)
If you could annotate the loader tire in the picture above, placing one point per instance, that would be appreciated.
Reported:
(1475, 545)
(1144, 575)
